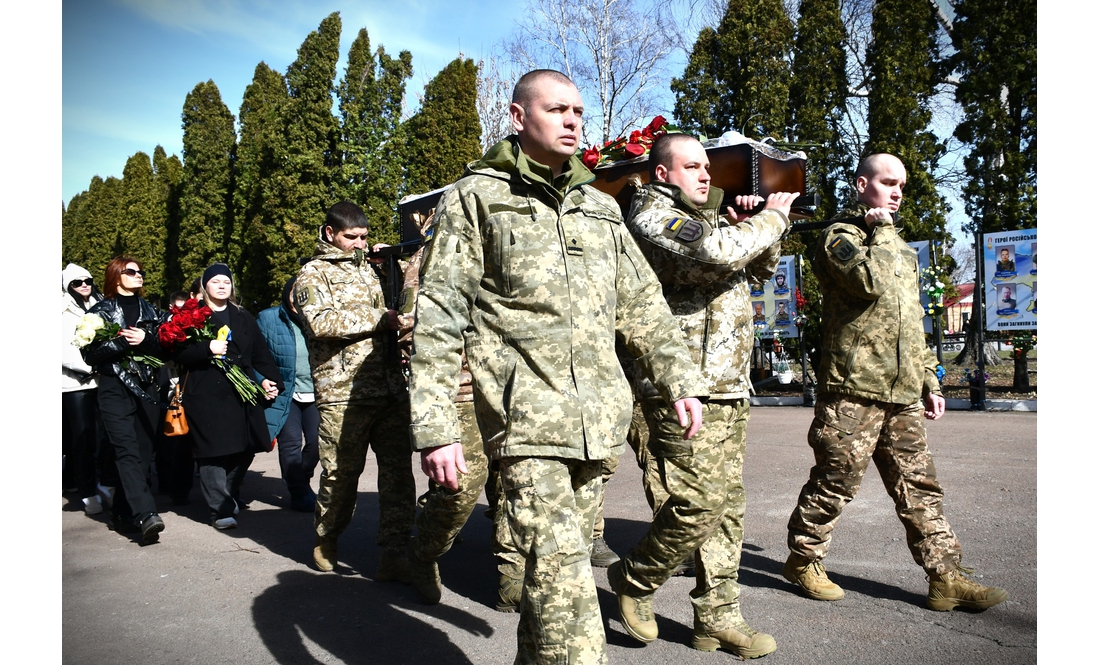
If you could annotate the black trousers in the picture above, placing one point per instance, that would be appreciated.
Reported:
(79, 416)
(220, 479)
(129, 422)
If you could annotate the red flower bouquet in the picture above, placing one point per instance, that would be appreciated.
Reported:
(191, 324)
(634, 145)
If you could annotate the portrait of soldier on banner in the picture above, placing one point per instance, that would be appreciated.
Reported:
(1006, 300)
(1006, 262)
(756, 289)
(1034, 259)
(782, 313)
(781, 288)
(759, 319)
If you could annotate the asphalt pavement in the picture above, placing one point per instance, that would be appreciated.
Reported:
(249, 595)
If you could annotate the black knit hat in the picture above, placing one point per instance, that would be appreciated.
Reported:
(214, 270)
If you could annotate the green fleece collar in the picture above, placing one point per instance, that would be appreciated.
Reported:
(507, 157)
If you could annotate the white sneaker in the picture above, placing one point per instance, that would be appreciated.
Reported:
(106, 494)
(92, 505)
(225, 523)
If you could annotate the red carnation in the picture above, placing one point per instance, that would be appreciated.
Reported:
(591, 158)
(635, 136)
(657, 123)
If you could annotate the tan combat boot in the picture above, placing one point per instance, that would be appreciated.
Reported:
(424, 577)
(324, 554)
(953, 589)
(509, 593)
(393, 567)
(811, 578)
(739, 639)
(636, 613)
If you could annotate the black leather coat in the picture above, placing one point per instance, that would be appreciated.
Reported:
(113, 356)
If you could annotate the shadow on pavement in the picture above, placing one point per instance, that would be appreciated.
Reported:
(313, 618)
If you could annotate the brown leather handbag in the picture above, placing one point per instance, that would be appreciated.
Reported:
(175, 420)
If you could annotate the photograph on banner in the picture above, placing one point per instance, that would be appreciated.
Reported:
(1010, 261)
(773, 303)
(923, 261)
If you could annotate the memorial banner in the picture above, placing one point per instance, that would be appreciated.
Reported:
(1009, 260)
(773, 303)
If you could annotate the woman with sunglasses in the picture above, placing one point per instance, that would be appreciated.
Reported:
(78, 391)
(227, 432)
(127, 393)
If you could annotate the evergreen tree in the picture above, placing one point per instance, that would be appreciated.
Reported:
(996, 61)
(445, 135)
(259, 158)
(904, 60)
(89, 228)
(372, 137)
(169, 183)
(738, 76)
(819, 89)
(141, 222)
(301, 189)
(206, 214)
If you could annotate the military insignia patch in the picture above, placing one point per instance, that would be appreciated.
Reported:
(675, 224)
(306, 295)
(842, 248)
(690, 231)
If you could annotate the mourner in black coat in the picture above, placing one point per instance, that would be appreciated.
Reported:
(227, 431)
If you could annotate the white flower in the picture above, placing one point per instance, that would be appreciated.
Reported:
(86, 329)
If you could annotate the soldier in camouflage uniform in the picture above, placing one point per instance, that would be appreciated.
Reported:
(531, 269)
(361, 394)
(705, 263)
(875, 372)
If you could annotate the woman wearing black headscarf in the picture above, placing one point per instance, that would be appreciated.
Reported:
(227, 431)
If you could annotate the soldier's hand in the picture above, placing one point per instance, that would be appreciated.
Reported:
(689, 406)
(878, 217)
(745, 203)
(443, 463)
(934, 406)
(375, 248)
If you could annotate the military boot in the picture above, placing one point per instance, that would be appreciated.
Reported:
(953, 589)
(636, 613)
(739, 639)
(393, 567)
(811, 578)
(324, 554)
(424, 577)
(601, 555)
(509, 593)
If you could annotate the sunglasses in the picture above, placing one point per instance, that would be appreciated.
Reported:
(131, 272)
(77, 283)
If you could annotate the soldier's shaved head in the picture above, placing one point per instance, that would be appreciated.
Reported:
(527, 84)
(872, 164)
(663, 148)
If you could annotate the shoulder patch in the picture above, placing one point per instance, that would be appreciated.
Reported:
(685, 229)
(842, 248)
(306, 295)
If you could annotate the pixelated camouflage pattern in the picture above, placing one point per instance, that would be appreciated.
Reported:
(846, 434)
(443, 513)
(550, 506)
(537, 276)
(346, 432)
(339, 295)
(638, 440)
(704, 511)
(706, 281)
(872, 318)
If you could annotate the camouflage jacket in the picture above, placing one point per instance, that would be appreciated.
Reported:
(538, 276)
(339, 295)
(705, 265)
(872, 317)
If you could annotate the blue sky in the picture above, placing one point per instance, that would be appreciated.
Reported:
(129, 64)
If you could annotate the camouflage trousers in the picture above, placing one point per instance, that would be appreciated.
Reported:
(550, 504)
(347, 431)
(638, 439)
(704, 511)
(846, 434)
(443, 513)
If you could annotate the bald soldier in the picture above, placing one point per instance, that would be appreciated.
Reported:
(705, 261)
(530, 268)
(877, 379)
